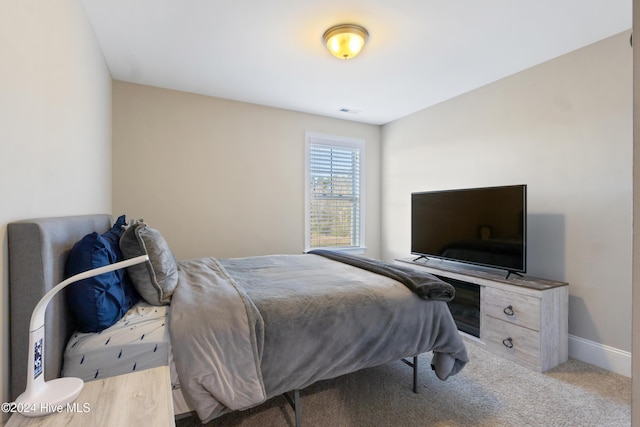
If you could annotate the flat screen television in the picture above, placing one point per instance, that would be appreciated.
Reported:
(480, 226)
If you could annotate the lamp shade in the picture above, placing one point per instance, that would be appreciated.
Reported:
(346, 40)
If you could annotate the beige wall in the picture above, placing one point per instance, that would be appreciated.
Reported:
(565, 129)
(223, 178)
(55, 124)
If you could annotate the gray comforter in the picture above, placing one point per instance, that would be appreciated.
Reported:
(247, 329)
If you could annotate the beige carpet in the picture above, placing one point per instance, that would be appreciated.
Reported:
(489, 392)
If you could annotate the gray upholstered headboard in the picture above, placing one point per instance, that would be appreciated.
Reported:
(38, 250)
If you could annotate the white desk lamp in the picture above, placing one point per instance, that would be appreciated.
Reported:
(45, 397)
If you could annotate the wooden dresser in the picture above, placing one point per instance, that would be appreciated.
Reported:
(524, 319)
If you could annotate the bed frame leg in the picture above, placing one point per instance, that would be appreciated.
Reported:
(415, 374)
(296, 405)
(414, 365)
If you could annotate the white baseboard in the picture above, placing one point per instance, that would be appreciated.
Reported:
(603, 356)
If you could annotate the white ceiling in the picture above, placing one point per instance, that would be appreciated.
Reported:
(270, 52)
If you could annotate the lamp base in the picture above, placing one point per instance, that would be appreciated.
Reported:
(52, 396)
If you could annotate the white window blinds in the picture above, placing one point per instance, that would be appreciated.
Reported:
(334, 182)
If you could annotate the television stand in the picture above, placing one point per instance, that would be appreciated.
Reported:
(524, 319)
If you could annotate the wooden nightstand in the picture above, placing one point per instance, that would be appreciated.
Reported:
(139, 398)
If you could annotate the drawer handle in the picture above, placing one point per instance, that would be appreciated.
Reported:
(508, 342)
(509, 311)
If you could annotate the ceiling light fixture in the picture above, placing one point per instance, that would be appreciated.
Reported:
(346, 40)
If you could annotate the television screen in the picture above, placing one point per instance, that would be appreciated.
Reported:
(482, 226)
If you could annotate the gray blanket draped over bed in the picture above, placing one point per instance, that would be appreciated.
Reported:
(244, 330)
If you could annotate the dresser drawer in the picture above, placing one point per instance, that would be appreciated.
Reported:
(512, 307)
(513, 340)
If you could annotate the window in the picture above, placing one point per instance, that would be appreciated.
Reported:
(334, 192)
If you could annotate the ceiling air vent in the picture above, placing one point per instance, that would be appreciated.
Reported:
(350, 110)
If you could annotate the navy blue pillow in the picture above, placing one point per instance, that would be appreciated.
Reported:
(99, 302)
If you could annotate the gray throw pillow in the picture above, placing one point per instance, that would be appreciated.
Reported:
(156, 279)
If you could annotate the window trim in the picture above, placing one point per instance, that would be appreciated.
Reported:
(336, 141)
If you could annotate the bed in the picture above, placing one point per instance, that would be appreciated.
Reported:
(281, 322)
